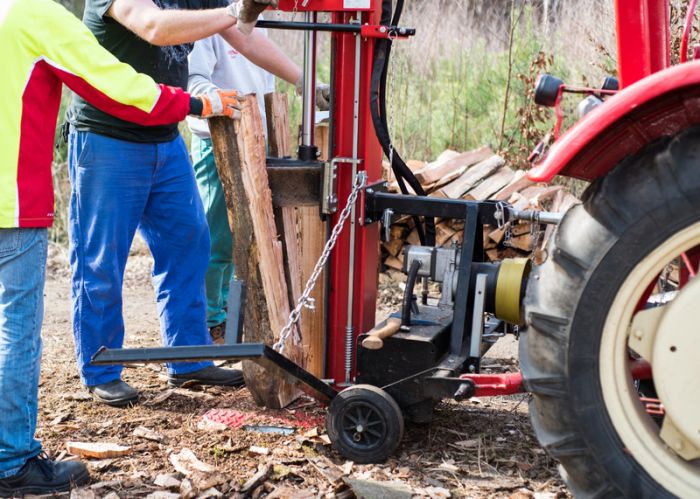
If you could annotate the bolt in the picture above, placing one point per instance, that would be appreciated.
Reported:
(679, 445)
(638, 334)
(370, 191)
(382, 29)
(368, 220)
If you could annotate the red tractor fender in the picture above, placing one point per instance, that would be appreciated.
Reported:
(657, 106)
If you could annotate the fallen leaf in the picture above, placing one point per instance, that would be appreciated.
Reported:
(346, 468)
(82, 494)
(148, 434)
(167, 481)
(205, 424)
(448, 467)
(187, 463)
(256, 479)
(160, 398)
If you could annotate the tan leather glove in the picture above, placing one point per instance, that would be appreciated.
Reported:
(322, 95)
(248, 11)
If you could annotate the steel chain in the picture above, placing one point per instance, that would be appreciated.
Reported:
(294, 316)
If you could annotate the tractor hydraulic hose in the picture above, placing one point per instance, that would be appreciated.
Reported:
(378, 111)
(408, 294)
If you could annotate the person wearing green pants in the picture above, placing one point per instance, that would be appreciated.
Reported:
(215, 64)
(220, 269)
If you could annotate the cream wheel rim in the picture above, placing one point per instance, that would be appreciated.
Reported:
(638, 432)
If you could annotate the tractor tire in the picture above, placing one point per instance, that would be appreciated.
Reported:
(645, 204)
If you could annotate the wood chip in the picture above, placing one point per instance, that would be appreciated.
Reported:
(147, 434)
(99, 450)
(256, 479)
(167, 481)
(187, 463)
(160, 398)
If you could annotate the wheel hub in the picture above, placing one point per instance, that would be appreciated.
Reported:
(665, 337)
(675, 356)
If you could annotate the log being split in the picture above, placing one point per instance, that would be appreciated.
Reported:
(239, 149)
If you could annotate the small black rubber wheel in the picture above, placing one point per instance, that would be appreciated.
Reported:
(575, 353)
(365, 424)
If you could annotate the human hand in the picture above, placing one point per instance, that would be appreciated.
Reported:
(322, 97)
(248, 11)
(221, 103)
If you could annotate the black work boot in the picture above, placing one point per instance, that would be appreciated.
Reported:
(115, 393)
(208, 376)
(41, 475)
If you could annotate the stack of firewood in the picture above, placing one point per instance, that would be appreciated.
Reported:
(477, 175)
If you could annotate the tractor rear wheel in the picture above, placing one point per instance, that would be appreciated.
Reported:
(601, 309)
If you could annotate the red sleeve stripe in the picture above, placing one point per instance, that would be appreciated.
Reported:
(171, 106)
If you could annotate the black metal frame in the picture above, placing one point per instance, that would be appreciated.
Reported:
(259, 353)
(475, 215)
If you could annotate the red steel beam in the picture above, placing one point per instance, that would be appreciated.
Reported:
(643, 38)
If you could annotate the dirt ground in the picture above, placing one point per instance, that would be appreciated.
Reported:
(479, 448)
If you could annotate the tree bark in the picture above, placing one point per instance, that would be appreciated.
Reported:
(239, 149)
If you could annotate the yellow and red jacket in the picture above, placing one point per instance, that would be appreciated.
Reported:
(44, 45)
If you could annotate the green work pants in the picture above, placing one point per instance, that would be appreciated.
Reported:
(220, 267)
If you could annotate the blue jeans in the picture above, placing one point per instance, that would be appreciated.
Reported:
(22, 273)
(117, 187)
(220, 268)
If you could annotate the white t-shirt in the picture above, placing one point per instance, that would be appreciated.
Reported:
(216, 64)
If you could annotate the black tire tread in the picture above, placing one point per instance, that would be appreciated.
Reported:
(639, 187)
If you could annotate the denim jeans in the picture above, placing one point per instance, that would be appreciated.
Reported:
(220, 268)
(22, 273)
(117, 187)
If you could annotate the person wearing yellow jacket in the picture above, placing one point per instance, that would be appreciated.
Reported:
(43, 46)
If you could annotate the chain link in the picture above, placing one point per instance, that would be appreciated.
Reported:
(359, 183)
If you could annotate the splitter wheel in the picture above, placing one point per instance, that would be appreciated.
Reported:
(364, 424)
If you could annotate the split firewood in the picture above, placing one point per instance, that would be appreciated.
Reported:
(492, 184)
(447, 168)
(472, 177)
(516, 184)
(98, 450)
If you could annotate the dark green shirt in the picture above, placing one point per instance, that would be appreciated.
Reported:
(166, 65)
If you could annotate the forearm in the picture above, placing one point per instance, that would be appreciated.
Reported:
(165, 27)
(264, 53)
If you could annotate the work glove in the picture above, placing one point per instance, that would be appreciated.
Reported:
(248, 11)
(221, 103)
(323, 94)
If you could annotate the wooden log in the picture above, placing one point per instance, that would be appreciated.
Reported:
(97, 450)
(413, 238)
(517, 183)
(304, 238)
(443, 233)
(393, 263)
(445, 170)
(394, 246)
(472, 177)
(279, 145)
(278, 140)
(239, 149)
(491, 185)
(312, 238)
